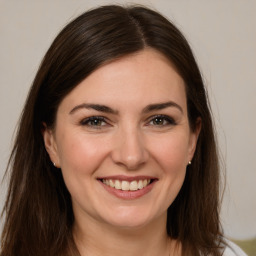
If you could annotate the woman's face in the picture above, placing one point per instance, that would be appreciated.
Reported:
(122, 140)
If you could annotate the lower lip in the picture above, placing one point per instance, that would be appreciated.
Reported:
(128, 195)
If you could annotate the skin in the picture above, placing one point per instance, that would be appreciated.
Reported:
(130, 141)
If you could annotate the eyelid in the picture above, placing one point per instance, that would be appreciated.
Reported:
(169, 119)
(84, 121)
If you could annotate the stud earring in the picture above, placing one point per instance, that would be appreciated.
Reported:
(189, 163)
(54, 164)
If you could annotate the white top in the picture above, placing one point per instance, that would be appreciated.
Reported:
(233, 250)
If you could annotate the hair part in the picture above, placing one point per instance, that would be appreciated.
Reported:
(38, 209)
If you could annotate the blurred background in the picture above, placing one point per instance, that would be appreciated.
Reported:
(222, 35)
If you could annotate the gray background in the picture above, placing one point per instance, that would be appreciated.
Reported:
(222, 34)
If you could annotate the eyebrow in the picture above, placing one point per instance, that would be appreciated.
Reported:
(97, 107)
(106, 109)
(159, 106)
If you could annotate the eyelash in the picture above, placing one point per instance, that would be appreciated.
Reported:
(93, 121)
(166, 119)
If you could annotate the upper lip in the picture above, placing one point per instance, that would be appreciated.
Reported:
(126, 178)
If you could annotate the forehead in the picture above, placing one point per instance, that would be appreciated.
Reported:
(142, 78)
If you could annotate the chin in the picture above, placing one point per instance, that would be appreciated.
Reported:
(130, 218)
(129, 224)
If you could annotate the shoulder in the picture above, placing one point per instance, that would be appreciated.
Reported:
(233, 250)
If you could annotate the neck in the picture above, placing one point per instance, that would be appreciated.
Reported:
(94, 239)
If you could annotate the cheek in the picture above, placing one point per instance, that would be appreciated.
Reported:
(80, 156)
(171, 153)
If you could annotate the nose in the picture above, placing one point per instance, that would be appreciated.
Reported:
(129, 149)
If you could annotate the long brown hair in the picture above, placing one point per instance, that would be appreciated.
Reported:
(38, 210)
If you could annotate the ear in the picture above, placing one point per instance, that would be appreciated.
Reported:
(50, 145)
(194, 134)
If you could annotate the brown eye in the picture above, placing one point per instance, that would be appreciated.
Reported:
(161, 120)
(158, 121)
(94, 121)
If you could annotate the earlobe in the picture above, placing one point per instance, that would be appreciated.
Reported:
(50, 145)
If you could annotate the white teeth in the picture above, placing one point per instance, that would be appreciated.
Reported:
(118, 184)
(111, 183)
(134, 185)
(140, 184)
(126, 185)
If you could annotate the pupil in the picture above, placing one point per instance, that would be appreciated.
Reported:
(158, 121)
(96, 122)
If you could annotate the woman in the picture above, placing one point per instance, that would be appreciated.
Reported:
(115, 152)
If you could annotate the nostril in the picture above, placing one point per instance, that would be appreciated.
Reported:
(129, 148)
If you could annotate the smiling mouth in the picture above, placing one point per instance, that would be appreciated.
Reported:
(128, 188)
(125, 185)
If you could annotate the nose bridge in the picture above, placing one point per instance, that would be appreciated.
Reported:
(129, 147)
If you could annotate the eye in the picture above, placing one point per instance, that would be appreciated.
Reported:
(94, 121)
(161, 120)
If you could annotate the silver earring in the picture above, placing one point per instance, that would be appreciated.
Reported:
(189, 163)
(54, 164)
